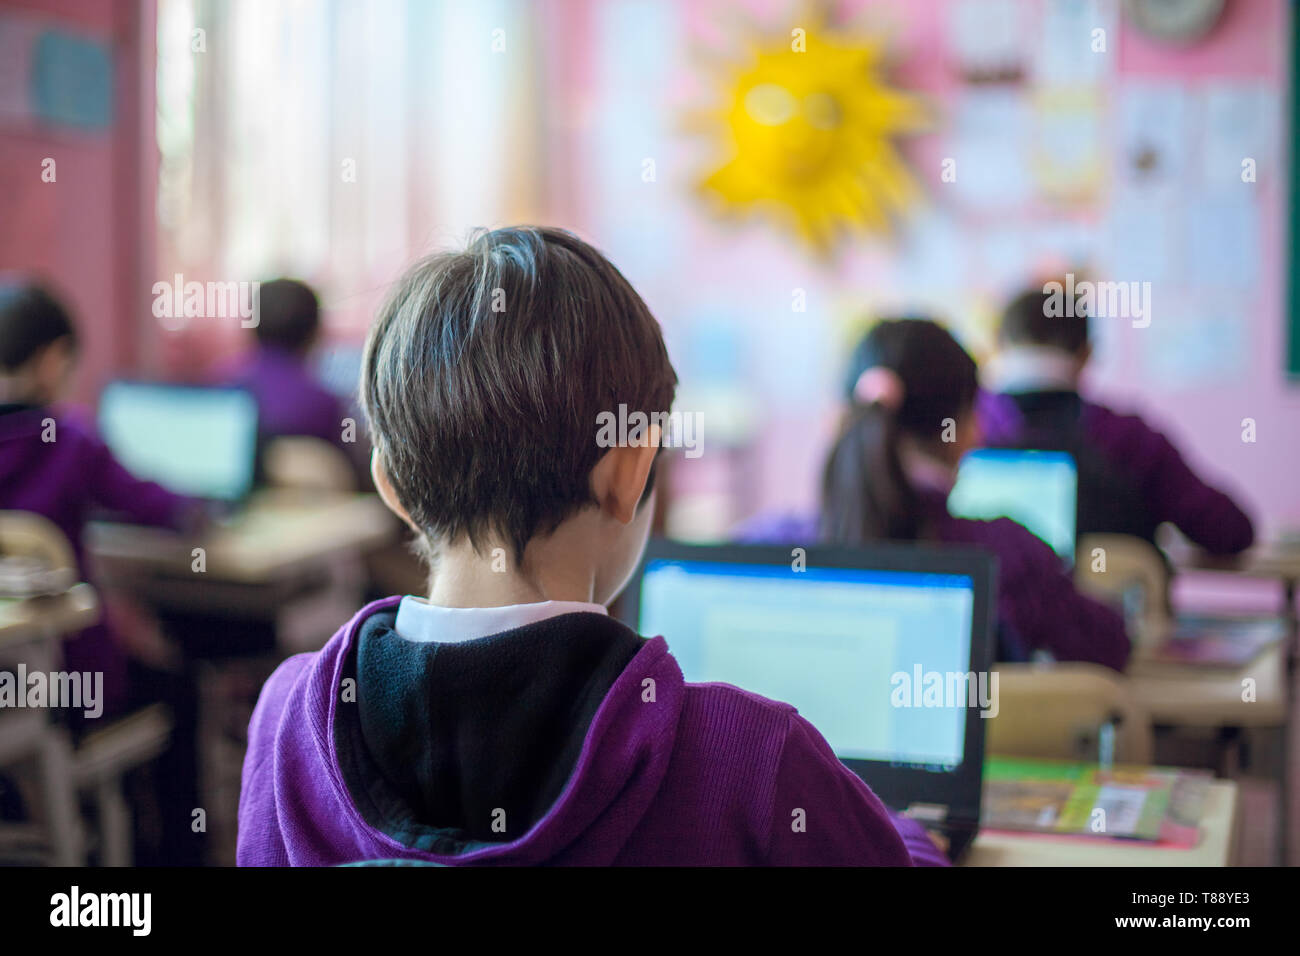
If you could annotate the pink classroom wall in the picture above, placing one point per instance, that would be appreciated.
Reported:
(630, 104)
(92, 232)
(1250, 42)
(89, 233)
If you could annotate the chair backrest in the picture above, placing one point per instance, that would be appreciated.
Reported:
(30, 535)
(1058, 710)
(1131, 573)
(307, 464)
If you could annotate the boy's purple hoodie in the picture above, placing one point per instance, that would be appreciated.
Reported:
(65, 479)
(1038, 606)
(570, 741)
(290, 400)
(1162, 485)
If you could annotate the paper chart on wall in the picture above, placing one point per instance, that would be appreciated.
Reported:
(1223, 239)
(1068, 155)
(1078, 42)
(1195, 340)
(1240, 124)
(934, 255)
(986, 39)
(988, 147)
(1155, 124)
(1142, 239)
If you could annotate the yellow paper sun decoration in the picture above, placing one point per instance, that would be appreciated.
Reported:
(811, 130)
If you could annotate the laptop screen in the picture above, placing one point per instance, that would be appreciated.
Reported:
(827, 640)
(194, 441)
(1038, 489)
(885, 649)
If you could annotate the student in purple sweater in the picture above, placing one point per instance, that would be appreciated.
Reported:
(911, 391)
(1131, 477)
(53, 463)
(291, 401)
(506, 719)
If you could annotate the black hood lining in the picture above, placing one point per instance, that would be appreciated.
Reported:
(445, 744)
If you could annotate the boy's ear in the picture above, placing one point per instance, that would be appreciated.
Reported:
(49, 368)
(385, 488)
(620, 477)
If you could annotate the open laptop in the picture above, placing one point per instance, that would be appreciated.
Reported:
(200, 442)
(850, 637)
(1038, 489)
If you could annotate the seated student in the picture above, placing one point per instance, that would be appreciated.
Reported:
(911, 390)
(1131, 477)
(290, 399)
(53, 463)
(507, 719)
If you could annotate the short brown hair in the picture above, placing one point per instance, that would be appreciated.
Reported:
(288, 314)
(485, 374)
(1030, 320)
(31, 317)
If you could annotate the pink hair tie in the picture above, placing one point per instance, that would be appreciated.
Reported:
(880, 386)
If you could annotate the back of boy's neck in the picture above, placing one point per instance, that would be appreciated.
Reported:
(1032, 368)
(462, 578)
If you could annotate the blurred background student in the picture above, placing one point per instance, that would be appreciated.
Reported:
(53, 463)
(1132, 478)
(290, 397)
(911, 390)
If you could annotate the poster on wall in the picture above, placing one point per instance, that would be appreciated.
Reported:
(1194, 341)
(1155, 135)
(52, 77)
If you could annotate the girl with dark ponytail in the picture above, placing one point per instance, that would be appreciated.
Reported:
(911, 390)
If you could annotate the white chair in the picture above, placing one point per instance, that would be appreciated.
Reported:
(31, 630)
(307, 464)
(1130, 573)
(1058, 711)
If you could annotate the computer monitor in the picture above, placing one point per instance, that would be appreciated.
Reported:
(1038, 489)
(875, 646)
(338, 368)
(200, 442)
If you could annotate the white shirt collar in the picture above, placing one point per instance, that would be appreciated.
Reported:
(1029, 368)
(422, 622)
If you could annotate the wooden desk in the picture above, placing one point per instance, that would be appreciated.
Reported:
(1217, 846)
(1278, 559)
(1182, 696)
(1204, 697)
(275, 535)
(1269, 559)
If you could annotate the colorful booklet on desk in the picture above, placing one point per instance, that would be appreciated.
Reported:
(1156, 804)
(1219, 642)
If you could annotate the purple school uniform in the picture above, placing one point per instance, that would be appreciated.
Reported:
(53, 463)
(569, 741)
(1038, 607)
(290, 401)
(1165, 487)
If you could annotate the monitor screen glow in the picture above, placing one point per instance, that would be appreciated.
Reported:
(194, 441)
(1038, 489)
(830, 641)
